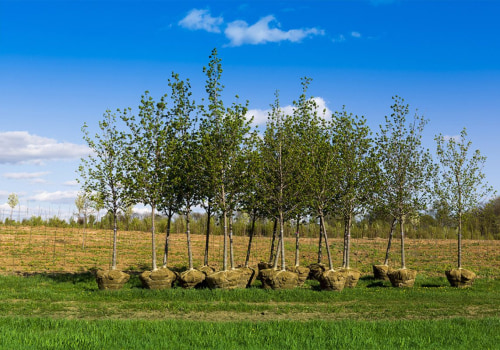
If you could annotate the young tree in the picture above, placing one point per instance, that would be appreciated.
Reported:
(357, 179)
(406, 173)
(187, 151)
(83, 204)
(146, 146)
(251, 200)
(224, 134)
(102, 173)
(322, 169)
(180, 172)
(281, 181)
(460, 186)
(12, 201)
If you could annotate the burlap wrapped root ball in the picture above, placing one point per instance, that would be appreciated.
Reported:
(191, 278)
(264, 266)
(111, 279)
(230, 279)
(302, 272)
(402, 278)
(279, 279)
(331, 280)
(250, 274)
(265, 277)
(316, 270)
(460, 278)
(351, 277)
(207, 270)
(380, 272)
(261, 267)
(163, 278)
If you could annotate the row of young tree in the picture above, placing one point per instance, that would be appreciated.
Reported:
(173, 155)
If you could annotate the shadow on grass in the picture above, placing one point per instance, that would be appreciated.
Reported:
(65, 277)
(432, 285)
(378, 284)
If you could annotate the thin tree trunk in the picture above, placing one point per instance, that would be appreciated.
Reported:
(322, 227)
(250, 237)
(153, 238)
(207, 235)
(278, 254)
(84, 231)
(275, 227)
(167, 238)
(231, 252)
(401, 225)
(320, 252)
(282, 242)
(224, 261)
(391, 234)
(459, 240)
(347, 234)
(297, 233)
(344, 250)
(188, 236)
(115, 239)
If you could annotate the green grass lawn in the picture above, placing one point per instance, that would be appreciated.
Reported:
(49, 333)
(68, 311)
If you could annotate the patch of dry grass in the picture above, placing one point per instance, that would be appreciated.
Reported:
(42, 249)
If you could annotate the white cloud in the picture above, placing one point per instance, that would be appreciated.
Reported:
(55, 197)
(456, 138)
(21, 147)
(142, 211)
(239, 32)
(38, 181)
(356, 34)
(71, 183)
(260, 115)
(201, 20)
(24, 176)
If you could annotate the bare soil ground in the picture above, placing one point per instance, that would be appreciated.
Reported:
(48, 249)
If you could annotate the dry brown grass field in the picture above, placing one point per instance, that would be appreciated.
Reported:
(26, 249)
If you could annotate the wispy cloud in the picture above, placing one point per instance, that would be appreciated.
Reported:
(264, 31)
(25, 176)
(201, 20)
(239, 32)
(22, 147)
(340, 38)
(55, 197)
(72, 183)
(260, 115)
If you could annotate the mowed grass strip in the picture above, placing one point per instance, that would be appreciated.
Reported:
(48, 333)
(77, 297)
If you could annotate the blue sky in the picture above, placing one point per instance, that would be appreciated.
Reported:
(63, 63)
